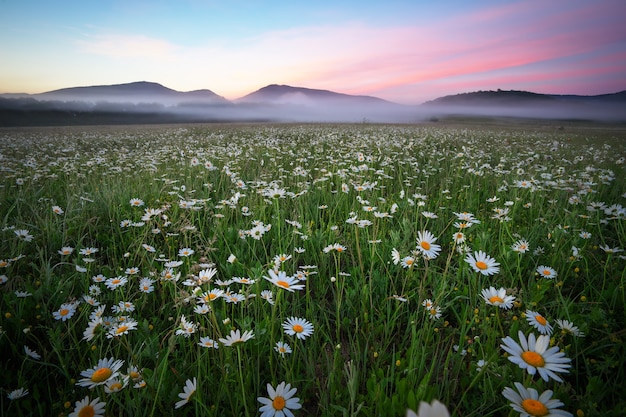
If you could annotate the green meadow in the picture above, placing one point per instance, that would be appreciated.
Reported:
(179, 270)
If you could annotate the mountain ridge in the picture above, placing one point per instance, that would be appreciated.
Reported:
(154, 103)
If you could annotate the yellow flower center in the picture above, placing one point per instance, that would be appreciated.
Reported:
(546, 272)
(121, 329)
(481, 265)
(116, 281)
(64, 312)
(425, 245)
(496, 300)
(86, 411)
(212, 296)
(298, 328)
(134, 375)
(534, 407)
(283, 284)
(101, 374)
(533, 359)
(278, 403)
(433, 311)
(116, 386)
(541, 320)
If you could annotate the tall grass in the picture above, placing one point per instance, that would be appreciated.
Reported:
(240, 196)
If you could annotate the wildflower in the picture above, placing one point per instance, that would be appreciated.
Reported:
(135, 202)
(395, 256)
(235, 337)
(88, 251)
(105, 370)
(299, 327)
(122, 328)
(231, 259)
(187, 328)
(212, 295)
(98, 278)
(434, 313)
(280, 402)
(32, 353)
(538, 322)
(546, 272)
(534, 355)
(206, 275)
(483, 263)
(610, 250)
(336, 247)
(428, 304)
(188, 391)
(584, 235)
(23, 235)
(117, 282)
(90, 332)
(282, 348)
(426, 245)
(17, 394)
(243, 280)
(123, 307)
(116, 385)
(88, 407)
(529, 403)
(132, 270)
(186, 252)
(148, 248)
(283, 281)
(408, 262)
(434, 409)
(234, 298)
(568, 327)
(168, 274)
(458, 237)
(65, 312)
(207, 342)
(279, 259)
(521, 246)
(498, 297)
(268, 296)
(146, 285)
(57, 210)
(149, 213)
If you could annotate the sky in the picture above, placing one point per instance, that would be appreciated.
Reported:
(403, 51)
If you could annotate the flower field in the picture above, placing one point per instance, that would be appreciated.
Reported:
(313, 270)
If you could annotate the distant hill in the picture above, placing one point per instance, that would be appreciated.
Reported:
(285, 94)
(514, 98)
(136, 92)
(512, 103)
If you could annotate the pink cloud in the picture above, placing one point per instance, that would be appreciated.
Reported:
(534, 35)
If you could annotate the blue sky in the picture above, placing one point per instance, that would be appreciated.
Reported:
(405, 51)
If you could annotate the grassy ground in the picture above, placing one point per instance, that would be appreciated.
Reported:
(146, 222)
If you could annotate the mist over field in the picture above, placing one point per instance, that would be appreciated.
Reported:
(144, 102)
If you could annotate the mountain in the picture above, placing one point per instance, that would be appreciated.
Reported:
(285, 94)
(286, 103)
(513, 103)
(136, 92)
